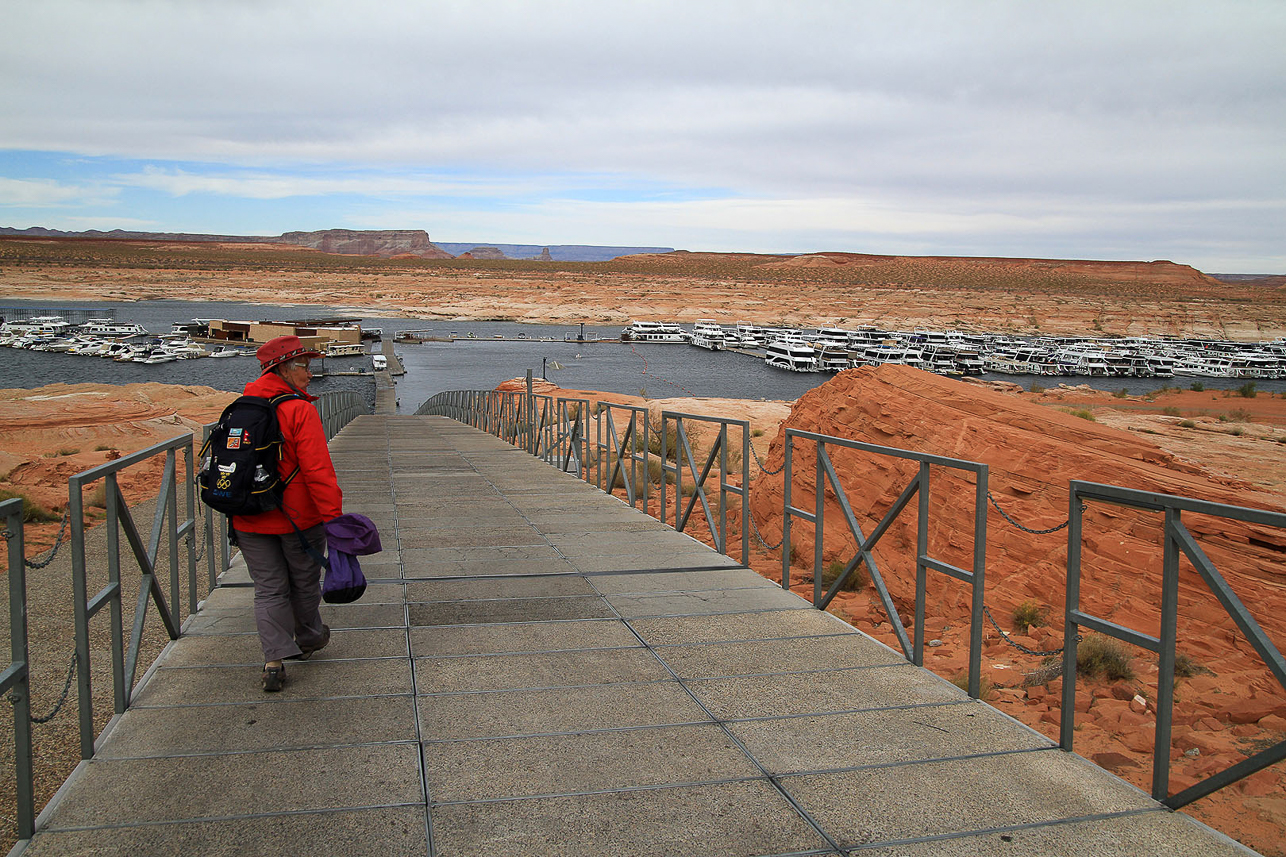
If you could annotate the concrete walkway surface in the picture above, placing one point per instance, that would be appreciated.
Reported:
(539, 669)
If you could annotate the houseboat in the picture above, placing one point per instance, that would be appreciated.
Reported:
(708, 334)
(653, 331)
(792, 354)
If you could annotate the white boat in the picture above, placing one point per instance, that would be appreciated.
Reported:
(834, 358)
(749, 335)
(113, 329)
(1081, 360)
(224, 351)
(708, 334)
(345, 349)
(653, 331)
(40, 325)
(1203, 366)
(792, 355)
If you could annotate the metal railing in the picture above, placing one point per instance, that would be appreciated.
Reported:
(338, 409)
(686, 462)
(564, 435)
(556, 430)
(617, 445)
(1178, 543)
(16, 679)
(167, 525)
(918, 485)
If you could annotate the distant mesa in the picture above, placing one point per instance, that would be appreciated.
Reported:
(483, 253)
(386, 243)
(354, 242)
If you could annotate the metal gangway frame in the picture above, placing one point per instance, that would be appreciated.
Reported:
(1178, 542)
(685, 461)
(919, 488)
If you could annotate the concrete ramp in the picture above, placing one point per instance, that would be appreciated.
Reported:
(539, 669)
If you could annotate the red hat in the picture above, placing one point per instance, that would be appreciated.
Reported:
(277, 351)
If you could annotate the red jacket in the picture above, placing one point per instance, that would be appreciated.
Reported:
(313, 496)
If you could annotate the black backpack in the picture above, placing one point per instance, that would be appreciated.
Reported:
(239, 460)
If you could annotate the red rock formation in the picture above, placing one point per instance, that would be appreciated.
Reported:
(385, 242)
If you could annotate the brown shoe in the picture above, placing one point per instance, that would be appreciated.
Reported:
(306, 652)
(274, 678)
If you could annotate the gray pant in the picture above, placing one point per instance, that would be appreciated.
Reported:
(287, 590)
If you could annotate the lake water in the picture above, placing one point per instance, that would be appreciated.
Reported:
(475, 360)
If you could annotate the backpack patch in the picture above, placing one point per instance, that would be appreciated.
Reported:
(239, 462)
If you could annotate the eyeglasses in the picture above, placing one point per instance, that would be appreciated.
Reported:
(300, 364)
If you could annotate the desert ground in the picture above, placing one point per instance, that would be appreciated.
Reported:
(1213, 445)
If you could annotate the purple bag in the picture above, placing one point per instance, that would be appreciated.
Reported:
(347, 536)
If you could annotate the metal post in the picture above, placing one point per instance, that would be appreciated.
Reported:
(1167, 639)
(979, 576)
(84, 691)
(819, 510)
(922, 573)
(745, 494)
(1067, 718)
(785, 517)
(111, 487)
(20, 666)
(530, 404)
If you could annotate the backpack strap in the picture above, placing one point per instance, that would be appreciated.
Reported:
(315, 554)
(275, 401)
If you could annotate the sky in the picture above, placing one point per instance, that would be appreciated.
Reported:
(1127, 129)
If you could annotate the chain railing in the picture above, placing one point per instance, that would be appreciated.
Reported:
(918, 487)
(1178, 543)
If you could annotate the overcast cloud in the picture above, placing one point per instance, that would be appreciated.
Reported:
(1129, 130)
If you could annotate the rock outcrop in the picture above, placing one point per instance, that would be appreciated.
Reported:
(484, 253)
(1032, 452)
(381, 242)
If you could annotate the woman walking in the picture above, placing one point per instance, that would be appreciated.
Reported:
(286, 573)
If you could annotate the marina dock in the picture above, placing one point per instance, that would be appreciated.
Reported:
(537, 668)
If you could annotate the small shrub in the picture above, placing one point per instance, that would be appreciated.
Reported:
(856, 581)
(1238, 431)
(68, 450)
(985, 689)
(1099, 656)
(102, 447)
(1083, 413)
(1246, 390)
(757, 433)
(1187, 424)
(1121, 393)
(1186, 666)
(1029, 614)
(32, 512)
(1037, 387)
(1171, 411)
(1240, 415)
(1197, 387)
(97, 496)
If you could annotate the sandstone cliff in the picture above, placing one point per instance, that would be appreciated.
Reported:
(383, 242)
